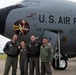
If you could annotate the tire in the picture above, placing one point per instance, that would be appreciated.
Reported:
(63, 64)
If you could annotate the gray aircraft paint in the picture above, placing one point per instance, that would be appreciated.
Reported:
(49, 15)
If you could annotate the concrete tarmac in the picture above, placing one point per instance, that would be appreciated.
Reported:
(70, 70)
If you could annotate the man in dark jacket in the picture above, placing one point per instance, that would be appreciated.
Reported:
(34, 52)
(12, 50)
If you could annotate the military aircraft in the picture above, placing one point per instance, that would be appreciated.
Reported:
(54, 19)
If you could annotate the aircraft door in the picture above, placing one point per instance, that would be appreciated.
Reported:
(52, 37)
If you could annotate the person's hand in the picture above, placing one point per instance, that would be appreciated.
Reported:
(49, 63)
(19, 47)
(49, 43)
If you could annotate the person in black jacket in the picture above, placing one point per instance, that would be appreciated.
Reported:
(23, 59)
(12, 49)
(34, 52)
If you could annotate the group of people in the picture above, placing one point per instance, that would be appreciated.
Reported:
(29, 53)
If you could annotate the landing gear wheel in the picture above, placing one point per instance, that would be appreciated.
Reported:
(63, 64)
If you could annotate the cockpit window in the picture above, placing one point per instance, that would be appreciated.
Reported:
(26, 4)
(35, 3)
(30, 3)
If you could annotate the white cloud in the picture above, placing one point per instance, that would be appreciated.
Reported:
(3, 41)
(5, 3)
(73, 0)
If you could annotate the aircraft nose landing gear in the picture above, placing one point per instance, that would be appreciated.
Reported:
(62, 65)
(60, 60)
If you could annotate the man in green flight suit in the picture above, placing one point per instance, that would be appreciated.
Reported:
(46, 54)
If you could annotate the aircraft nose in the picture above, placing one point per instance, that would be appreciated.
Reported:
(3, 15)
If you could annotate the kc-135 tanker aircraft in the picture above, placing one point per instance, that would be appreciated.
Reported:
(54, 19)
